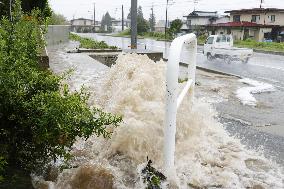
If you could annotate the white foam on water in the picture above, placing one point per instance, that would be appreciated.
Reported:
(206, 156)
(245, 94)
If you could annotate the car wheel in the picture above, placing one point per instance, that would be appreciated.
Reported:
(209, 57)
(227, 59)
(245, 60)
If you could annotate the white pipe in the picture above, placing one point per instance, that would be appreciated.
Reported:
(186, 41)
(184, 91)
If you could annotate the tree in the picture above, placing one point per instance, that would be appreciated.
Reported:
(142, 24)
(57, 19)
(140, 13)
(152, 21)
(129, 14)
(40, 118)
(176, 26)
(4, 8)
(106, 22)
(27, 6)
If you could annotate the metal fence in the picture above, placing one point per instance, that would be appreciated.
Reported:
(173, 100)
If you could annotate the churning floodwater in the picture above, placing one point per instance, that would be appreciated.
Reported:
(206, 156)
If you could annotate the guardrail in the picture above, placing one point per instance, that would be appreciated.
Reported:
(173, 101)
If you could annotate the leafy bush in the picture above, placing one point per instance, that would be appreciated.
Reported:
(90, 43)
(39, 117)
(201, 39)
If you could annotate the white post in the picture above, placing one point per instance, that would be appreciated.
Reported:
(172, 100)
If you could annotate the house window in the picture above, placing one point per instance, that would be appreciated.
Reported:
(272, 18)
(189, 22)
(229, 31)
(237, 18)
(255, 18)
(85, 22)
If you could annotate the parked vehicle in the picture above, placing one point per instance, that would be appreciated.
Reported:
(221, 46)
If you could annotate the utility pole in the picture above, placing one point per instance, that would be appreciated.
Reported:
(122, 18)
(133, 24)
(152, 17)
(94, 17)
(166, 25)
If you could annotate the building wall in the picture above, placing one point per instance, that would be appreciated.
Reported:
(82, 22)
(199, 21)
(264, 19)
(238, 33)
(222, 20)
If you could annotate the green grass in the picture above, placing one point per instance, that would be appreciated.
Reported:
(267, 46)
(88, 43)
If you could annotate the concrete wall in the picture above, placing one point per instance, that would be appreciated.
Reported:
(57, 34)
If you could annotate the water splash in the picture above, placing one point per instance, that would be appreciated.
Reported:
(206, 156)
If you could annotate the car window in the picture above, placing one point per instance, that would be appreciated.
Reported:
(224, 38)
(218, 39)
(210, 40)
(228, 39)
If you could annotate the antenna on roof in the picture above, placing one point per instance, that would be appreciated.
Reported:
(261, 3)
(195, 2)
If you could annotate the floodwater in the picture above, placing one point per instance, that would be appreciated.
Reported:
(206, 156)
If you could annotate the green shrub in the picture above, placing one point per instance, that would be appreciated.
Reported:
(201, 39)
(269, 46)
(90, 43)
(39, 117)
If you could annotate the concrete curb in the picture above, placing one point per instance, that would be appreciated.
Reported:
(217, 72)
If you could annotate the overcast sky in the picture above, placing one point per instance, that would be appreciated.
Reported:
(179, 8)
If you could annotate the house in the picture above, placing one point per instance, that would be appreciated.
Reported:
(83, 25)
(197, 21)
(258, 23)
(160, 26)
(117, 25)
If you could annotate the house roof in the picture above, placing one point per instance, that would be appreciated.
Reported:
(255, 10)
(241, 24)
(202, 14)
